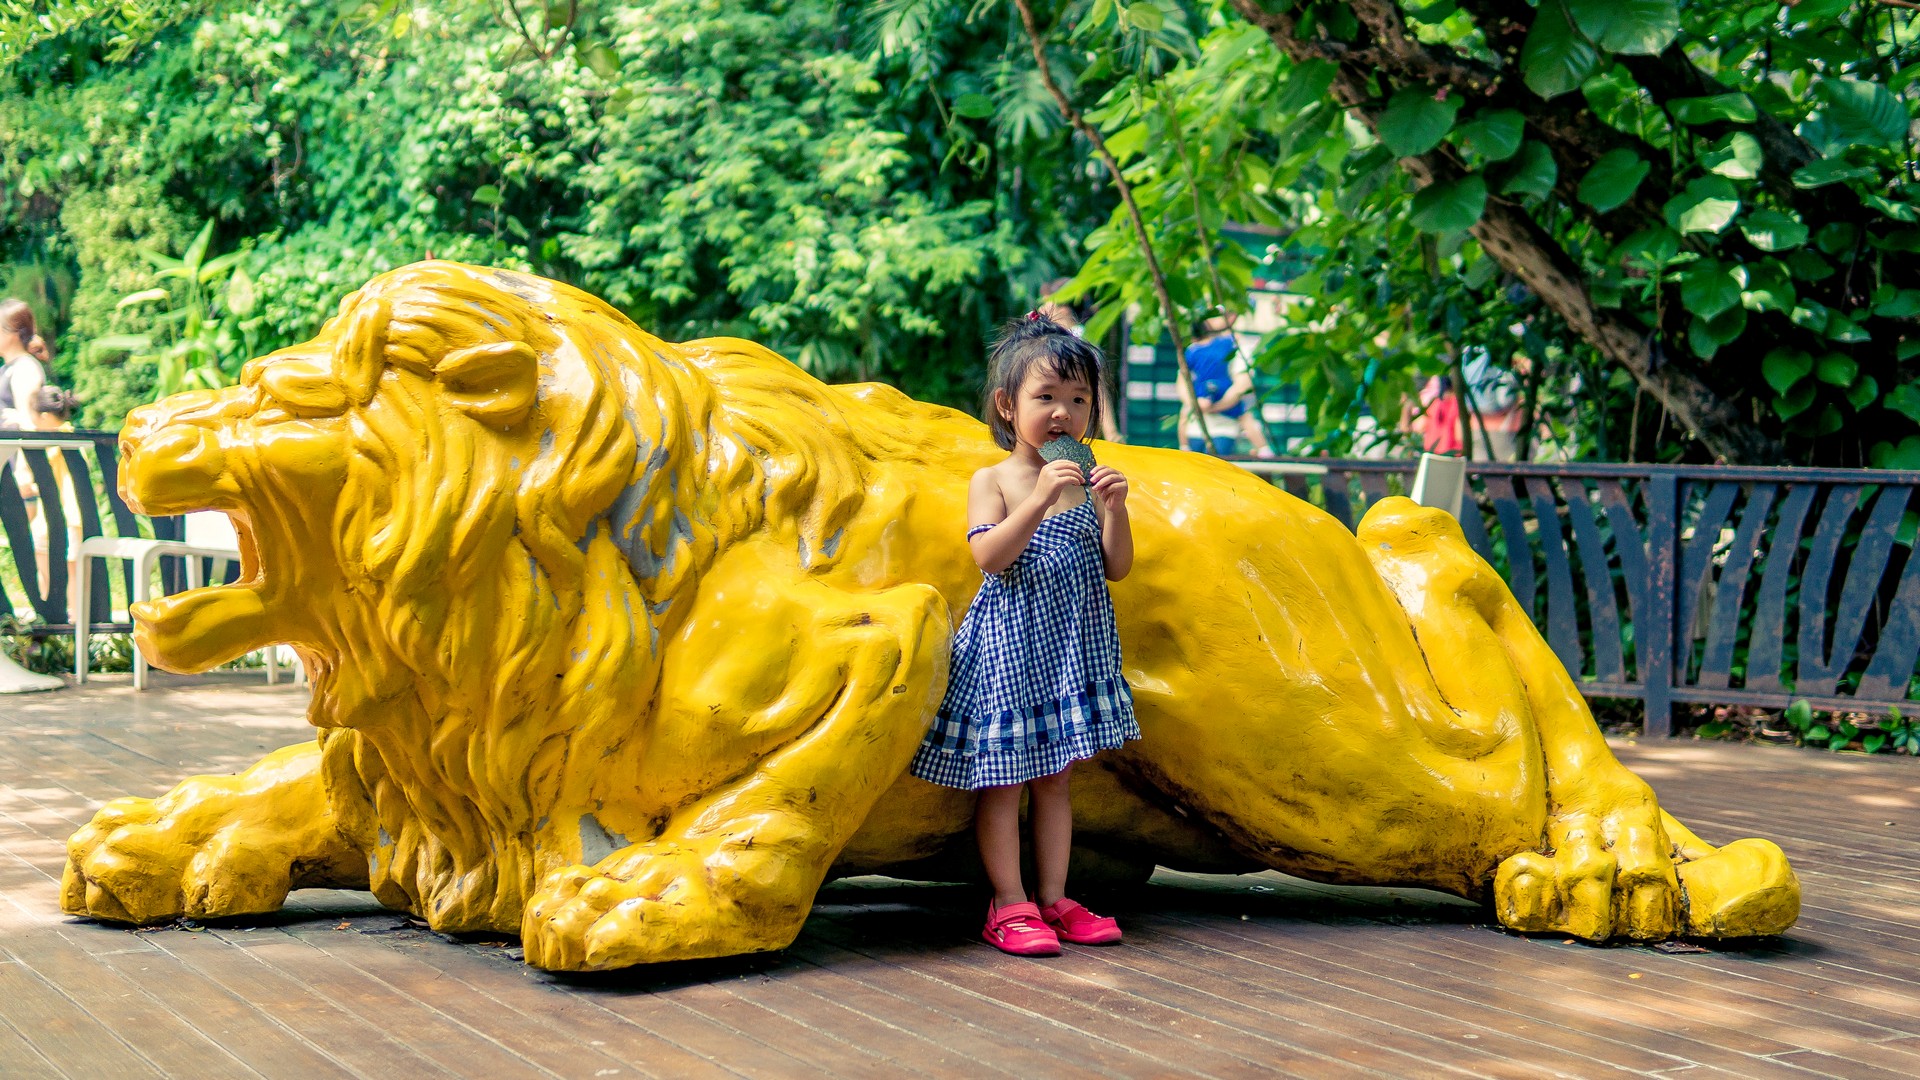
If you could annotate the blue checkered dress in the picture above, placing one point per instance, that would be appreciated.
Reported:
(1035, 683)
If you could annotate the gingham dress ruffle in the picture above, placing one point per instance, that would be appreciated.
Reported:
(1035, 682)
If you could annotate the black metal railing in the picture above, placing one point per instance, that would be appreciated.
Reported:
(90, 487)
(1738, 586)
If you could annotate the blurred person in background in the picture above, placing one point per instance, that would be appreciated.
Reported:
(52, 411)
(25, 354)
(1224, 386)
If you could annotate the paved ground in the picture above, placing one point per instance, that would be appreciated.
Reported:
(1219, 977)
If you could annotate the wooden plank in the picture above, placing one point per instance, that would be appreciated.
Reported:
(1815, 579)
(1563, 620)
(448, 1046)
(955, 1020)
(1630, 548)
(1696, 571)
(1513, 529)
(1473, 524)
(1229, 985)
(1603, 611)
(355, 1045)
(18, 1057)
(1655, 641)
(1373, 488)
(1891, 670)
(1767, 646)
(1859, 594)
(1335, 492)
(1717, 660)
(62, 1031)
(549, 1022)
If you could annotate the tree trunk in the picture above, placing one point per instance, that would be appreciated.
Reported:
(1514, 239)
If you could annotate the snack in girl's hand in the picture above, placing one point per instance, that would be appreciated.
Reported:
(1071, 449)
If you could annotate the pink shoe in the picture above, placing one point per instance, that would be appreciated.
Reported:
(1018, 929)
(1078, 925)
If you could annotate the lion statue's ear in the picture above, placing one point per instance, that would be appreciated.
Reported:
(493, 383)
(362, 351)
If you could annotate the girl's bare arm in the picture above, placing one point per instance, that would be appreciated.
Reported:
(998, 547)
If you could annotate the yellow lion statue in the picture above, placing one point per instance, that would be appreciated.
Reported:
(625, 646)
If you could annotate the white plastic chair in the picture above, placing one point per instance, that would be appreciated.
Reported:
(209, 535)
(1441, 482)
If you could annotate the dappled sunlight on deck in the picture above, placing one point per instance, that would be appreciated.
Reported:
(1218, 976)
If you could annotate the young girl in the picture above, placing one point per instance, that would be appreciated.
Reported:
(1035, 682)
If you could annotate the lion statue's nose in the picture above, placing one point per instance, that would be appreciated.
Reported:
(169, 468)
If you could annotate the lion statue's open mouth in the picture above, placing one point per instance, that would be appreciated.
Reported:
(625, 646)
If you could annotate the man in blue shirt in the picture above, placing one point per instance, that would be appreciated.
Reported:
(1224, 388)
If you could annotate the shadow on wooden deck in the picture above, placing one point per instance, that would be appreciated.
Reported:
(1250, 976)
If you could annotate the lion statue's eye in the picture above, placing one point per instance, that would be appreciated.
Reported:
(302, 388)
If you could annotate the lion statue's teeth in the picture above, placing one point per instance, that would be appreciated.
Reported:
(203, 628)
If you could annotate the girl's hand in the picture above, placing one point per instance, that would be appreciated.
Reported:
(1109, 486)
(1055, 477)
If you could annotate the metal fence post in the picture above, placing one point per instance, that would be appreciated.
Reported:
(1655, 642)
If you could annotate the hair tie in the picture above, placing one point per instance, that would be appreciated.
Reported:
(1033, 316)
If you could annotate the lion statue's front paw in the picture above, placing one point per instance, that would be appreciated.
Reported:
(635, 907)
(214, 845)
(135, 863)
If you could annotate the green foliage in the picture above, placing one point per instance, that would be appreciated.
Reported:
(1744, 195)
(1893, 735)
(867, 208)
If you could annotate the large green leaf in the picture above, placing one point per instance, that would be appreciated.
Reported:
(1736, 155)
(1144, 16)
(974, 106)
(1306, 83)
(1706, 336)
(1898, 304)
(1772, 230)
(1612, 179)
(1836, 369)
(1708, 288)
(1709, 204)
(1556, 58)
(1494, 134)
(1843, 328)
(1766, 286)
(1414, 121)
(1904, 399)
(1737, 108)
(1628, 26)
(1783, 367)
(1829, 171)
(1450, 205)
(1862, 112)
(1532, 172)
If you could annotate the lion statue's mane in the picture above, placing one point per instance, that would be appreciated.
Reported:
(657, 454)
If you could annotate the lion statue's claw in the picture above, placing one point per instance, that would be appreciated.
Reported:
(213, 846)
(590, 919)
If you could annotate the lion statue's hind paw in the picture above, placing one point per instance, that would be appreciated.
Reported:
(1745, 889)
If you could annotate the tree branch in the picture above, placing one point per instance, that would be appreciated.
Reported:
(1525, 249)
(1087, 131)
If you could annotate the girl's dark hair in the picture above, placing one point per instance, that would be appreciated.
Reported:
(55, 401)
(1031, 340)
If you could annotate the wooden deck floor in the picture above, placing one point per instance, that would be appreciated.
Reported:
(1222, 977)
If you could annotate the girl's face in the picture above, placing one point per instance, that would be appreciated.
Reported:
(1047, 407)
